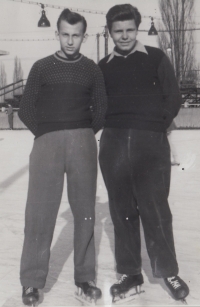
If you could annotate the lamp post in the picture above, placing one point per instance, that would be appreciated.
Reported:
(106, 35)
(98, 57)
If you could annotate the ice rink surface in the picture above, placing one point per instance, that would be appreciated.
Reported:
(15, 147)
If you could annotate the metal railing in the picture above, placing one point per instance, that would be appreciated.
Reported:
(12, 87)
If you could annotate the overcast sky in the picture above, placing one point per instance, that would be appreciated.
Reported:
(19, 21)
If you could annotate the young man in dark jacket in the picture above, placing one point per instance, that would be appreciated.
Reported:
(64, 105)
(143, 99)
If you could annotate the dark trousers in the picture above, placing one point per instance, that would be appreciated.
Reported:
(136, 169)
(10, 121)
(73, 152)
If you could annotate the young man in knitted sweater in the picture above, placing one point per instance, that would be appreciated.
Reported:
(63, 105)
(143, 99)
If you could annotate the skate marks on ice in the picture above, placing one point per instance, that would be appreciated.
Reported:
(13, 178)
(188, 162)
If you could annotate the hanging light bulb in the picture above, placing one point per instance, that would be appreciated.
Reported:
(152, 30)
(43, 22)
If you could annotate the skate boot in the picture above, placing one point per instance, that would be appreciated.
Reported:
(125, 288)
(30, 296)
(177, 287)
(87, 292)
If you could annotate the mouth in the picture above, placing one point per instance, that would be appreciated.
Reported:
(125, 43)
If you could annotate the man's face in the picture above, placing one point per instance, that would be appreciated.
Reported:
(71, 38)
(124, 35)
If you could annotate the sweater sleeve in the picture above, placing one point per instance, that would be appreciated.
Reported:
(171, 93)
(99, 101)
(27, 111)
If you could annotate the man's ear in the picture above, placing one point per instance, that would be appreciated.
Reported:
(57, 35)
(85, 37)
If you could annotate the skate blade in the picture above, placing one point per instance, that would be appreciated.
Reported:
(184, 301)
(128, 296)
(34, 303)
(85, 300)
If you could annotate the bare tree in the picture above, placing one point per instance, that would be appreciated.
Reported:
(3, 80)
(177, 18)
(18, 74)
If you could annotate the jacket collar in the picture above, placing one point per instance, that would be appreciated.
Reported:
(138, 47)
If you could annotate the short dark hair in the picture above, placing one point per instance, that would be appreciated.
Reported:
(72, 18)
(123, 12)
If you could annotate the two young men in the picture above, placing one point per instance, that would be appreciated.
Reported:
(63, 105)
(143, 99)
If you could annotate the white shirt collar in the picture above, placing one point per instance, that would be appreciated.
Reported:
(138, 47)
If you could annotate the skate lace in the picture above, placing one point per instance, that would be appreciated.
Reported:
(29, 290)
(122, 278)
(91, 283)
(174, 282)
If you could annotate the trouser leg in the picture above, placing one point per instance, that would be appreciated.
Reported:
(46, 175)
(116, 169)
(151, 156)
(81, 167)
(10, 121)
(148, 178)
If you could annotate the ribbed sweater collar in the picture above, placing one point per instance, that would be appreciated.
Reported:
(65, 60)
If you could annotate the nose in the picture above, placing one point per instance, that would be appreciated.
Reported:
(70, 40)
(124, 35)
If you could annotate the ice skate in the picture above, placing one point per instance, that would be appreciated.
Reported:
(30, 296)
(87, 292)
(125, 289)
(177, 287)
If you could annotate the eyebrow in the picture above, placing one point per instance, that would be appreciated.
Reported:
(64, 32)
(134, 28)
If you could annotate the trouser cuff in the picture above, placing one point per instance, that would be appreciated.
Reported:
(85, 277)
(128, 271)
(32, 283)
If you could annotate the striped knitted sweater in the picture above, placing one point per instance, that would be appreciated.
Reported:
(63, 94)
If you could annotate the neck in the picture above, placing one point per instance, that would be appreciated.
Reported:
(69, 57)
(125, 52)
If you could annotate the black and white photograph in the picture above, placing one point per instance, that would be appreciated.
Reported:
(99, 153)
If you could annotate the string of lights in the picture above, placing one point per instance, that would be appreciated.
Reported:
(101, 34)
(70, 8)
(40, 31)
(62, 7)
(44, 22)
(32, 40)
(27, 40)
